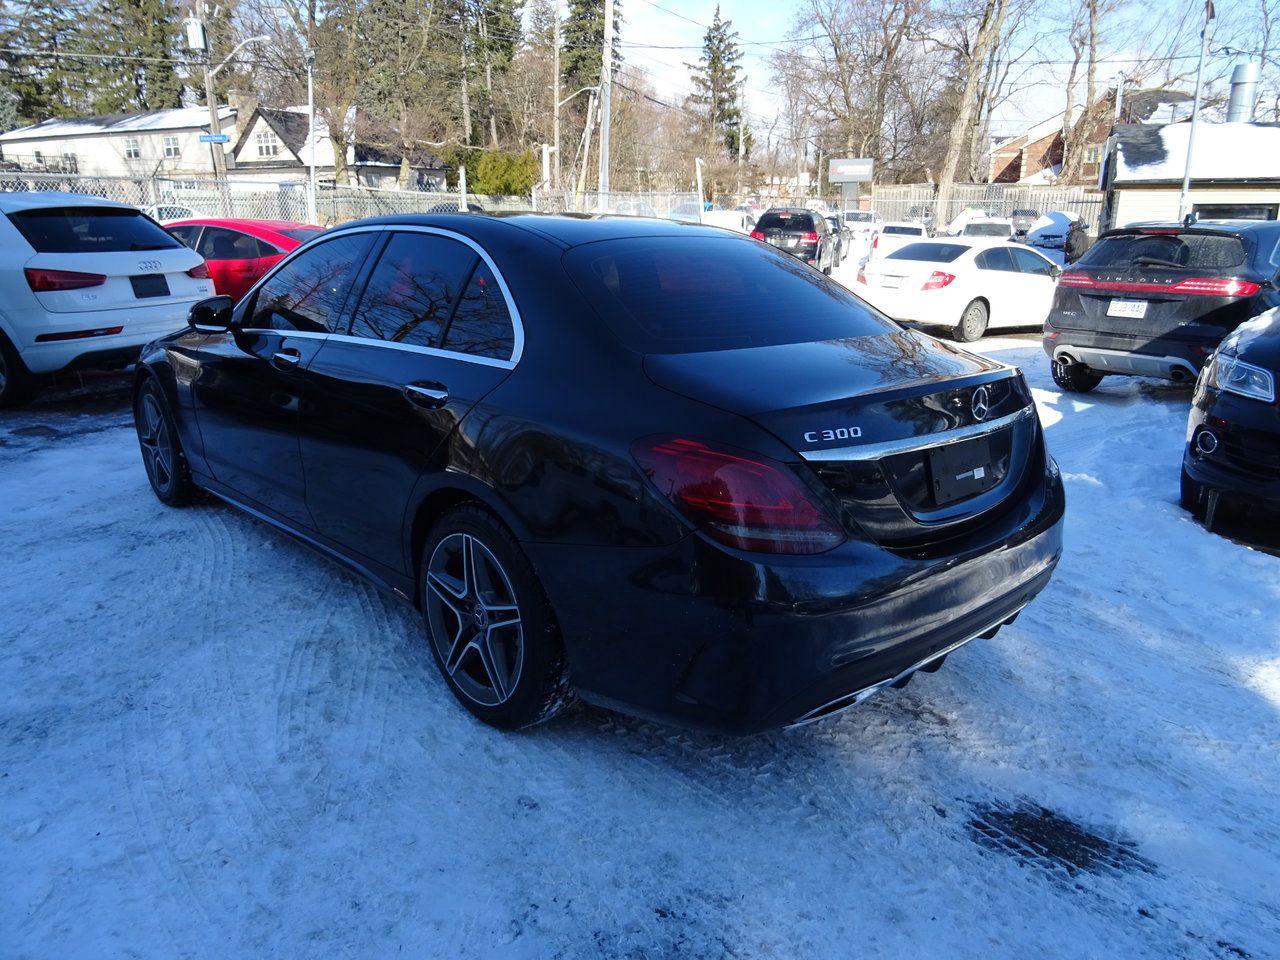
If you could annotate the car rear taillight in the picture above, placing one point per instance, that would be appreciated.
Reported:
(937, 280)
(809, 237)
(862, 275)
(741, 499)
(757, 234)
(1191, 286)
(199, 272)
(44, 281)
(875, 241)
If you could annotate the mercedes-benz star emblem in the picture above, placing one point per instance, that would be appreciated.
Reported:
(980, 405)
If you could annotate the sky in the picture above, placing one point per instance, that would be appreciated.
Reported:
(662, 36)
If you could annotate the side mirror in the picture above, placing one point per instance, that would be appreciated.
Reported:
(212, 315)
(1055, 271)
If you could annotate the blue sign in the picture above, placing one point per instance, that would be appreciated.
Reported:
(214, 138)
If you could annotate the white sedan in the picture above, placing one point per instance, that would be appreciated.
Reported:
(895, 235)
(968, 284)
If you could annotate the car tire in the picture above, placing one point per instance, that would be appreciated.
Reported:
(1074, 377)
(973, 322)
(1191, 495)
(17, 384)
(167, 469)
(508, 675)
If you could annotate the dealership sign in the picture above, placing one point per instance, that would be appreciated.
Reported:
(850, 170)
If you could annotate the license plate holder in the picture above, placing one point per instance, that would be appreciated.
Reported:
(1132, 309)
(147, 285)
(961, 470)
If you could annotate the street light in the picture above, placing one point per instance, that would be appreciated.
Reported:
(309, 57)
(555, 148)
(1184, 198)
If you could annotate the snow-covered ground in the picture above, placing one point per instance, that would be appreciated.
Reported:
(215, 743)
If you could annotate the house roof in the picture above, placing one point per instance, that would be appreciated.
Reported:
(181, 118)
(1233, 152)
(290, 125)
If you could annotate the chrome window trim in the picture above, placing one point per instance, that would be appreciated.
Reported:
(517, 324)
(887, 448)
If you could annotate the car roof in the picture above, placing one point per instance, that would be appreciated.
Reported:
(565, 230)
(45, 199)
(1216, 226)
(243, 223)
(904, 223)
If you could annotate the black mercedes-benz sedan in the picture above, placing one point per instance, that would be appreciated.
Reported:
(1233, 432)
(663, 467)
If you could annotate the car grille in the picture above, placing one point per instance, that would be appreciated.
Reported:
(1253, 453)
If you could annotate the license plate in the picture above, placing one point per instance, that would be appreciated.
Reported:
(1134, 309)
(891, 283)
(149, 285)
(961, 470)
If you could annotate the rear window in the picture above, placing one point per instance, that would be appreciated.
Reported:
(929, 252)
(683, 295)
(1183, 251)
(903, 231)
(785, 220)
(858, 216)
(986, 230)
(90, 230)
(300, 233)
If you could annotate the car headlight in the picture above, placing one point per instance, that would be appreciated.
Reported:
(1233, 375)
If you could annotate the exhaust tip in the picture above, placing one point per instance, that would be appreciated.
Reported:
(1206, 442)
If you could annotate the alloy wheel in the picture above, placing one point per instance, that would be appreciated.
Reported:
(4, 373)
(475, 619)
(157, 444)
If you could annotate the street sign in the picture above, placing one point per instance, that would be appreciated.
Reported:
(850, 170)
(214, 138)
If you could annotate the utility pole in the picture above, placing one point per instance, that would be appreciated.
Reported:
(555, 93)
(462, 189)
(697, 171)
(742, 112)
(1184, 198)
(310, 57)
(606, 96)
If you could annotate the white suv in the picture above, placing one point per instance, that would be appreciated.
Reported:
(85, 282)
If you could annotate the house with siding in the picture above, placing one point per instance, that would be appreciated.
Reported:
(1235, 172)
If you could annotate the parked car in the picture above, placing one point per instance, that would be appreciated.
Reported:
(801, 233)
(864, 222)
(1233, 432)
(723, 517)
(688, 212)
(1156, 299)
(896, 235)
(635, 208)
(168, 212)
(843, 236)
(86, 282)
(238, 252)
(452, 206)
(1023, 220)
(1049, 232)
(956, 227)
(988, 227)
(968, 285)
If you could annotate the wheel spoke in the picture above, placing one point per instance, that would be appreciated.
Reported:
(457, 649)
(502, 624)
(446, 588)
(495, 665)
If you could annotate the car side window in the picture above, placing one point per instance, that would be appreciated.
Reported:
(997, 258)
(309, 291)
(413, 289)
(219, 243)
(482, 324)
(1028, 262)
(185, 233)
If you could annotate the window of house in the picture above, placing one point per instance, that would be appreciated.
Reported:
(1093, 154)
(171, 148)
(132, 148)
(268, 143)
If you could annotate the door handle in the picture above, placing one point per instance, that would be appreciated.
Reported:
(286, 359)
(430, 395)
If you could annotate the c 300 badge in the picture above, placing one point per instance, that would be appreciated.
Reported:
(839, 433)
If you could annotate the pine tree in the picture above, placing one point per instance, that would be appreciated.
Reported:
(582, 36)
(43, 84)
(717, 83)
(147, 32)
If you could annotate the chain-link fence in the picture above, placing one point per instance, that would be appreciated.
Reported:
(918, 201)
(178, 198)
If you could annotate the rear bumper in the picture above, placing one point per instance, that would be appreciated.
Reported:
(1163, 357)
(1246, 461)
(140, 326)
(709, 638)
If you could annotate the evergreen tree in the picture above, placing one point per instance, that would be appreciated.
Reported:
(582, 38)
(717, 83)
(148, 30)
(43, 84)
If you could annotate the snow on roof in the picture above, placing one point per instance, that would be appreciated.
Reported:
(180, 118)
(1223, 151)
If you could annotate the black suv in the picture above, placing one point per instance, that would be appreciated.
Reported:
(662, 465)
(802, 233)
(1155, 300)
(1233, 433)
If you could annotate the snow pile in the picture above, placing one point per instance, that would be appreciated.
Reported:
(1223, 151)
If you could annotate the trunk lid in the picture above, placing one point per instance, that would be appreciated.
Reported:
(142, 278)
(913, 437)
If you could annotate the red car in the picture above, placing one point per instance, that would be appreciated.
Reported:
(240, 251)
